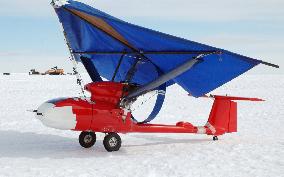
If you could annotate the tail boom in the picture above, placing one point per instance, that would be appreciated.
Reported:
(222, 119)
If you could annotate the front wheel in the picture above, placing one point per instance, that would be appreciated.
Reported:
(87, 139)
(112, 142)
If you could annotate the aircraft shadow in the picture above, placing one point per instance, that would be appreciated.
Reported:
(15, 144)
(159, 140)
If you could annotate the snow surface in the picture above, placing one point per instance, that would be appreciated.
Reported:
(29, 149)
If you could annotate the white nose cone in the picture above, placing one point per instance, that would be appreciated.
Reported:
(57, 117)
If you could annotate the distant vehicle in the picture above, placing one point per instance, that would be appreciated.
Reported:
(55, 71)
(34, 72)
(6, 73)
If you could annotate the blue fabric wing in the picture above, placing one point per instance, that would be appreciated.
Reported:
(103, 38)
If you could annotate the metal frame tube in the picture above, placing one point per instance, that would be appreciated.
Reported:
(164, 78)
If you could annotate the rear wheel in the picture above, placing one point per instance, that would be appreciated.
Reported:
(87, 139)
(112, 142)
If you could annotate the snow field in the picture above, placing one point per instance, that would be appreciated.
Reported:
(29, 149)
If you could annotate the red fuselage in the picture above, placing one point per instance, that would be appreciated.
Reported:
(103, 113)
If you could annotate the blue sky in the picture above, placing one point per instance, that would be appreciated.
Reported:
(31, 37)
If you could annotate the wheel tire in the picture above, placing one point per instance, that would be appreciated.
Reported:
(215, 138)
(112, 142)
(87, 139)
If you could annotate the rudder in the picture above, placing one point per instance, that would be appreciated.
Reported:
(223, 116)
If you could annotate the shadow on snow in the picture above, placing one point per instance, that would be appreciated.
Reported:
(33, 145)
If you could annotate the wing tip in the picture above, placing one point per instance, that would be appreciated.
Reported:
(269, 64)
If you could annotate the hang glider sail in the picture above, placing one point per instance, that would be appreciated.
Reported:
(120, 51)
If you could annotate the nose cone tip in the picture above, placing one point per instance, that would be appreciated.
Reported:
(43, 109)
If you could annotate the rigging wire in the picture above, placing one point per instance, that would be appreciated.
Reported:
(144, 101)
(80, 81)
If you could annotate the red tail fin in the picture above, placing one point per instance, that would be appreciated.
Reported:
(223, 115)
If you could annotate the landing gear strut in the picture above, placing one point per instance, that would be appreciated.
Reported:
(112, 142)
(87, 139)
